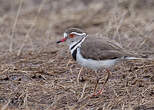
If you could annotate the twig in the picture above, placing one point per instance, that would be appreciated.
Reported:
(14, 27)
(83, 91)
(79, 75)
(31, 28)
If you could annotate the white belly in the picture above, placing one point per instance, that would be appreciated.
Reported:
(94, 64)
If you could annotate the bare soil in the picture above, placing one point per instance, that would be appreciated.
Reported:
(38, 74)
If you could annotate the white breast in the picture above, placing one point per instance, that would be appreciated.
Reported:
(94, 64)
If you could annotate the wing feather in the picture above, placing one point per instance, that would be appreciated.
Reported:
(101, 50)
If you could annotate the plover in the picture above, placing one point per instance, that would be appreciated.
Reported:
(94, 53)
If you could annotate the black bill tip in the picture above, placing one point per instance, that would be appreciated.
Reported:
(58, 42)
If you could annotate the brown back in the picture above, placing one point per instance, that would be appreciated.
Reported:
(97, 49)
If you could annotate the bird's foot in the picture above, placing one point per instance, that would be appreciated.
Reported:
(96, 94)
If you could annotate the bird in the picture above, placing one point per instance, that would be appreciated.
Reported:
(92, 52)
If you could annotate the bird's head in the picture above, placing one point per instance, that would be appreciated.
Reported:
(72, 36)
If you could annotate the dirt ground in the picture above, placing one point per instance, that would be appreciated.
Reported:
(38, 74)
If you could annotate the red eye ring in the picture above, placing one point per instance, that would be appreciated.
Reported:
(71, 35)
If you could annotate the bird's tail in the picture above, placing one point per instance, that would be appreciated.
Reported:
(141, 57)
(132, 58)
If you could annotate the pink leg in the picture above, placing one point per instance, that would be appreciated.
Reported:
(101, 90)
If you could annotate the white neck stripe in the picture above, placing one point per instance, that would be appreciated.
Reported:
(78, 45)
(78, 33)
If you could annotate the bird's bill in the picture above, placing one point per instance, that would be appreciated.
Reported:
(62, 40)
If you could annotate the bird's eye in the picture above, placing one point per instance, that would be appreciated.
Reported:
(71, 35)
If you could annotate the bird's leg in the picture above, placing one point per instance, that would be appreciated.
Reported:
(101, 90)
(97, 81)
(106, 79)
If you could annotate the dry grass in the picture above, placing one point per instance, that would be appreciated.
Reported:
(36, 73)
